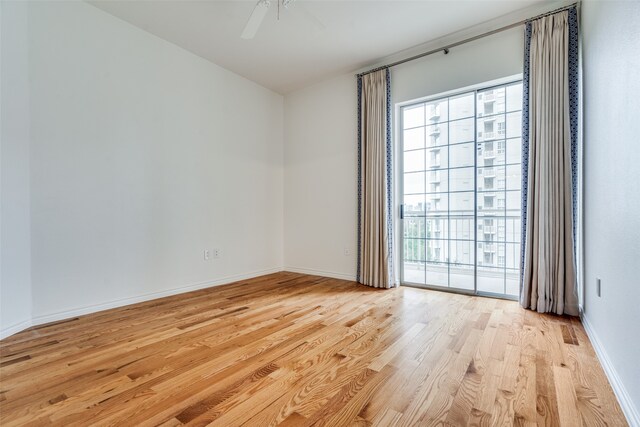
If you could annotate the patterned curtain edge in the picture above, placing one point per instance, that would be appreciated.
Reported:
(525, 146)
(574, 112)
(389, 181)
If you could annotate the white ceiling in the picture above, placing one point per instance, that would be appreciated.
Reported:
(312, 40)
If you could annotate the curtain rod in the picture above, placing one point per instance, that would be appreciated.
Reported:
(446, 48)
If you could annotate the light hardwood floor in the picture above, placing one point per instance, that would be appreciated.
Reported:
(290, 349)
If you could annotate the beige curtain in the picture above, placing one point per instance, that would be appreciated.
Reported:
(549, 279)
(374, 266)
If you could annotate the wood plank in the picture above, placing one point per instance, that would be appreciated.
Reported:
(389, 418)
(566, 395)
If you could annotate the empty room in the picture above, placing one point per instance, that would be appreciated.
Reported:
(319, 213)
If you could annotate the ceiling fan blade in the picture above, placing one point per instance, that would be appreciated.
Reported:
(253, 24)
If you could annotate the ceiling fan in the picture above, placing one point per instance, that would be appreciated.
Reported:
(260, 11)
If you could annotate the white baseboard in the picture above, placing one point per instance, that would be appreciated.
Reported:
(628, 407)
(61, 315)
(14, 329)
(321, 273)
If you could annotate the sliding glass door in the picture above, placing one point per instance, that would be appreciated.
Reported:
(461, 191)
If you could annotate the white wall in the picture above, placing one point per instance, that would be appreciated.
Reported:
(15, 240)
(611, 60)
(321, 147)
(320, 179)
(141, 156)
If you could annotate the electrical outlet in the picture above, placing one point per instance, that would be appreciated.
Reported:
(216, 253)
(598, 286)
(206, 255)
(347, 252)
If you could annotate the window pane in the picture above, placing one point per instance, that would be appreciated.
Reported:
(413, 139)
(437, 204)
(514, 177)
(413, 116)
(414, 249)
(491, 229)
(437, 111)
(414, 182)
(462, 203)
(436, 228)
(414, 160)
(437, 157)
(490, 178)
(491, 128)
(461, 131)
(491, 153)
(512, 287)
(437, 250)
(414, 205)
(489, 279)
(414, 228)
(514, 97)
(437, 274)
(461, 276)
(461, 179)
(413, 272)
(512, 265)
(514, 150)
(514, 201)
(437, 181)
(437, 135)
(461, 106)
(461, 227)
(489, 203)
(513, 228)
(514, 125)
(461, 252)
(462, 155)
(491, 101)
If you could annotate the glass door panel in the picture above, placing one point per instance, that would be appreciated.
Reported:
(461, 191)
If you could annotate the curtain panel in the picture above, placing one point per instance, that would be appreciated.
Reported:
(375, 230)
(550, 164)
